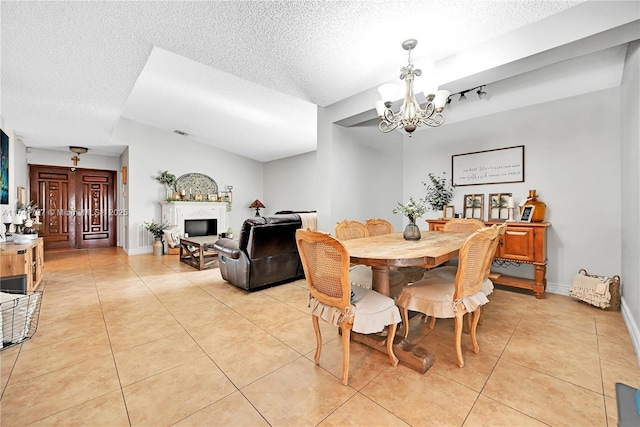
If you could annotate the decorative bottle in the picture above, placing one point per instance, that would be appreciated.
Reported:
(540, 207)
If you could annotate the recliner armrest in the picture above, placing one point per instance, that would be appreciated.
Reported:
(228, 247)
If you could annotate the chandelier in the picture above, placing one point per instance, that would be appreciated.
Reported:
(411, 114)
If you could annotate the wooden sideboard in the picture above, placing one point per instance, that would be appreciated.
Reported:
(522, 243)
(27, 259)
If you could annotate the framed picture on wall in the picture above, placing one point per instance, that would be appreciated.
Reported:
(449, 212)
(527, 214)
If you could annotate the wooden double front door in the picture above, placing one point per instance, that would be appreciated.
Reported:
(78, 206)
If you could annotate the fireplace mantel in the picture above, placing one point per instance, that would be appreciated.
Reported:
(175, 213)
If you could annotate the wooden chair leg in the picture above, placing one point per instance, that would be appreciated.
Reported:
(458, 338)
(405, 321)
(433, 323)
(481, 312)
(474, 324)
(390, 337)
(316, 327)
(346, 342)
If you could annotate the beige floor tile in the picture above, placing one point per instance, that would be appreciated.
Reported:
(300, 334)
(558, 351)
(228, 330)
(173, 395)
(361, 411)
(421, 399)
(246, 361)
(365, 363)
(142, 361)
(8, 359)
(233, 410)
(489, 413)
(106, 411)
(48, 394)
(613, 373)
(49, 333)
(139, 330)
(41, 360)
(268, 313)
(543, 397)
(612, 411)
(286, 292)
(477, 367)
(617, 350)
(312, 394)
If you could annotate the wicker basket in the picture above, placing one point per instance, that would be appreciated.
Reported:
(614, 290)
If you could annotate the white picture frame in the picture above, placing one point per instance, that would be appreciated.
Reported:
(527, 213)
(449, 212)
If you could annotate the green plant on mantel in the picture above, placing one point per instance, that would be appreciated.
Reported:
(168, 179)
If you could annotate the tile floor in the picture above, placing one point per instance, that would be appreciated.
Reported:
(146, 340)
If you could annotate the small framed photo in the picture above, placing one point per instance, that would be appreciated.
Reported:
(212, 197)
(449, 211)
(527, 214)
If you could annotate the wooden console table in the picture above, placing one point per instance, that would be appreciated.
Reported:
(522, 242)
(198, 252)
(23, 259)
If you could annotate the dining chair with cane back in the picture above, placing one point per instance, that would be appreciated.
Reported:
(361, 275)
(456, 225)
(332, 298)
(463, 225)
(448, 272)
(445, 298)
(378, 227)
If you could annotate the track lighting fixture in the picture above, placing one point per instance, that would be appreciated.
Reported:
(463, 97)
(481, 94)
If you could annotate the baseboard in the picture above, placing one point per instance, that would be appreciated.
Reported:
(139, 251)
(558, 288)
(631, 327)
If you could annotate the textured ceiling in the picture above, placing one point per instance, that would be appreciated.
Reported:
(70, 70)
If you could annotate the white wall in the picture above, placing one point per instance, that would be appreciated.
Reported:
(291, 184)
(152, 151)
(572, 158)
(630, 100)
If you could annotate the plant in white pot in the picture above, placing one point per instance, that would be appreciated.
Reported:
(439, 192)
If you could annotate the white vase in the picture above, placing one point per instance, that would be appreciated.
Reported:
(158, 249)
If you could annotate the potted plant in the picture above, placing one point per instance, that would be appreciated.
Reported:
(412, 210)
(157, 229)
(439, 191)
(170, 181)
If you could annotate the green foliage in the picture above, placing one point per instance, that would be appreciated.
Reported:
(156, 228)
(439, 191)
(167, 179)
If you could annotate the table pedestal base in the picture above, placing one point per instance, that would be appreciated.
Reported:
(410, 355)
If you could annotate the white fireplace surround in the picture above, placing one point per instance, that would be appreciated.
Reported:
(175, 213)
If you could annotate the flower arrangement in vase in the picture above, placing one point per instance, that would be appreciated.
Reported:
(412, 210)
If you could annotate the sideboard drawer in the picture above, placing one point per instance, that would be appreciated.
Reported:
(517, 244)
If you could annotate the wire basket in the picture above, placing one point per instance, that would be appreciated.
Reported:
(19, 317)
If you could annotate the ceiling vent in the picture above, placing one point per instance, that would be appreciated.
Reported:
(179, 132)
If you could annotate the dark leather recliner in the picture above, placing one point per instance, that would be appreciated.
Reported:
(265, 253)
